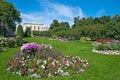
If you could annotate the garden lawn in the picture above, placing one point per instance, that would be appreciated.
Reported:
(102, 67)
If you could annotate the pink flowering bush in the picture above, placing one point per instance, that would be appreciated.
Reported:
(45, 63)
(30, 48)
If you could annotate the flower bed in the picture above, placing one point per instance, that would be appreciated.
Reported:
(40, 61)
(64, 39)
(107, 48)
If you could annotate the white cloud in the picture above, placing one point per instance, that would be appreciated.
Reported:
(53, 11)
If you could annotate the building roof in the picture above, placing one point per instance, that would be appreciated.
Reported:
(33, 23)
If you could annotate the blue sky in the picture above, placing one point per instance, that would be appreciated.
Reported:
(44, 11)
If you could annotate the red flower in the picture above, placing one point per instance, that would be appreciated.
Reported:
(35, 65)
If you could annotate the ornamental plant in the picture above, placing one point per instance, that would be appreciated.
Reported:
(20, 31)
(30, 48)
(3, 41)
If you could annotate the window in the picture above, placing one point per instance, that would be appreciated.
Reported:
(34, 27)
(38, 28)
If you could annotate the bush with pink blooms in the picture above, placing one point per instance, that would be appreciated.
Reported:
(40, 61)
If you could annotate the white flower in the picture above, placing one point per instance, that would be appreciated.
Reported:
(18, 72)
(65, 74)
(35, 75)
(49, 75)
(38, 61)
(53, 63)
(43, 66)
(44, 61)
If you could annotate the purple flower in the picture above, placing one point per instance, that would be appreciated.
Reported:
(30, 47)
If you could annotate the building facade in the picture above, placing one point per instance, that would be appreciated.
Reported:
(35, 27)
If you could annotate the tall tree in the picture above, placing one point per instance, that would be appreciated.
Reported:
(9, 16)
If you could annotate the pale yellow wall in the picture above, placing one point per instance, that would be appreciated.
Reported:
(34, 27)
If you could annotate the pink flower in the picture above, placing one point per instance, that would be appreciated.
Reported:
(81, 70)
(10, 68)
(66, 63)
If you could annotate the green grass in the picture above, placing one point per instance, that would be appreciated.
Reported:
(102, 67)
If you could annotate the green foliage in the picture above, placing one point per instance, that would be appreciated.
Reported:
(61, 33)
(54, 37)
(28, 32)
(9, 16)
(112, 30)
(85, 39)
(60, 29)
(20, 42)
(20, 31)
(102, 27)
(42, 33)
(11, 42)
(108, 46)
(54, 24)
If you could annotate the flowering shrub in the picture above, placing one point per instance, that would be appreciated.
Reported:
(11, 42)
(85, 39)
(54, 63)
(30, 48)
(3, 41)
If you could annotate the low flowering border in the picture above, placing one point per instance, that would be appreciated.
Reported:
(109, 52)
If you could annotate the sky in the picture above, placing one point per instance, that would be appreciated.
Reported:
(44, 11)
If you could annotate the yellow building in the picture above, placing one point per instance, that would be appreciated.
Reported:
(35, 27)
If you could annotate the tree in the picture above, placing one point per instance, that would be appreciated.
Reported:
(105, 19)
(9, 16)
(64, 24)
(54, 24)
(112, 30)
(20, 31)
(76, 21)
(89, 20)
(116, 18)
(28, 32)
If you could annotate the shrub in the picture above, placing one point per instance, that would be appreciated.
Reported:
(30, 48)
(28, 32)
(54, 37)
(11, 42)
(85, 39)
(20, 42)
(20, 31)
(108, 46)
(3, 41)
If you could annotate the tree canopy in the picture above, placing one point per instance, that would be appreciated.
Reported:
(99, 27)
(9, 16)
